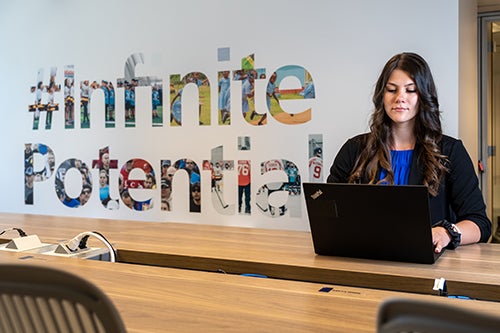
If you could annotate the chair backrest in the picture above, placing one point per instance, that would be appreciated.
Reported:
(42, 299)
(405, 315)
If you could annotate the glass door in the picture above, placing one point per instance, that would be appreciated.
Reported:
(489, 100)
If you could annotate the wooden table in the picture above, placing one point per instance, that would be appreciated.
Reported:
(472, 270)
(158, 299)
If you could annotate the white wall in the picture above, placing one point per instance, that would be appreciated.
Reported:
(343, 44)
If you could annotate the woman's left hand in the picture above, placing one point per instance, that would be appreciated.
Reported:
(441, 238)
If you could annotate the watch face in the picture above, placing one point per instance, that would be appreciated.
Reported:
(455, 229)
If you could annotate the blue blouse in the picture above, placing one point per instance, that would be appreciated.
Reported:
(401, 163)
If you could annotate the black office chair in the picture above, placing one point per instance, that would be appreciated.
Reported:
(41, 299)
(405, 315)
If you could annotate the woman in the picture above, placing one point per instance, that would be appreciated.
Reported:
(405, 146)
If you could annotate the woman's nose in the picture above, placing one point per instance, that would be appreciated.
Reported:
(401, 96)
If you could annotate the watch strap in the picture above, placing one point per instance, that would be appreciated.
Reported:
(453, 230)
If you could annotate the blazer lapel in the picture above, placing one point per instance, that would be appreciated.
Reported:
(416, 174)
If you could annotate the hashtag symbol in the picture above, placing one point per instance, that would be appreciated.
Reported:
(37, 107)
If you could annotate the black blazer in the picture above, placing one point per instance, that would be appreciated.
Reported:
(459, 197)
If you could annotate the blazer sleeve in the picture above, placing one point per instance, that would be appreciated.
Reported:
(466, 198)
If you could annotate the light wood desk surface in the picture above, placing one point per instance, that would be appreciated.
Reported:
(472, 270)
(159, 299)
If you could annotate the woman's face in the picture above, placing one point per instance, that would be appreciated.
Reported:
(401, 98)
(103, 178)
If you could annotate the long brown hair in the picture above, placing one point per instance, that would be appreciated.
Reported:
(428, 131)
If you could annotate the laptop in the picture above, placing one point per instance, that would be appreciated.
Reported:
(383, 222)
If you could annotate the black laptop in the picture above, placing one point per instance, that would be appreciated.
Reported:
(384, 222)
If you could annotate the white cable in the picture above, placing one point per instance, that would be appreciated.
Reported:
(74, 243)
